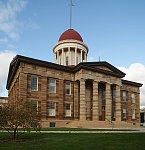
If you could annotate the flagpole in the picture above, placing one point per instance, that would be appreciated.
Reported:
(70, 13)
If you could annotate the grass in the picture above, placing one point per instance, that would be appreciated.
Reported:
(66, 141)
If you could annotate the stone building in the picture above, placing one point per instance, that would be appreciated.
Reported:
(3, 101)
(73, 92)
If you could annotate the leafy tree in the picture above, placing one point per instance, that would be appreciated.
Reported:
(19, 117)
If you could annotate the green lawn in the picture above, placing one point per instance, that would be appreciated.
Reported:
(66, 141)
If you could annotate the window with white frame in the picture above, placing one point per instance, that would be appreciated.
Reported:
(114, 94)
(66, 60)
(34, 83)
(132, 98)
(133, 113)
(52, 86)
(68, 87)
(124, 113)
(124, 96)
(68, 110)
(35, 105)
(104, 94)
(51, 108)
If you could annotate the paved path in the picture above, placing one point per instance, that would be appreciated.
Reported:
(136, 130)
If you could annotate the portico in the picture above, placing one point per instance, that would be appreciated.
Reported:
(99, 99)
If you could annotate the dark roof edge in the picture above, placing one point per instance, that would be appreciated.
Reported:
(131, 83)
(82, 66)
(18, 58)
(1, 97)
(105, 63)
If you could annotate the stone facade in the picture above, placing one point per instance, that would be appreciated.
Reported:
(95, 98)
(3, 101)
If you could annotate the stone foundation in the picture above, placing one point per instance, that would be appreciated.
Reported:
(90, 124)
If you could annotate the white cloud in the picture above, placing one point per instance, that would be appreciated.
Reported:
(11, 46)
(5, 59)
(136, 72)
(8, 14)
(3, 40)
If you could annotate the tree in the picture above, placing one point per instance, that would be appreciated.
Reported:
(19, 117)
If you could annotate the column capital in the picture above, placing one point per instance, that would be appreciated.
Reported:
(82, 80)
(96, 81)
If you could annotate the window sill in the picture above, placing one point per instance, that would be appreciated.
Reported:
(34, 90)
(67, 94)
(52, 92)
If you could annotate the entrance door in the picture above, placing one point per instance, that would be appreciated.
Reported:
(103, 113)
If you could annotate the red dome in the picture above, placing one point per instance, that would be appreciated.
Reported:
(70, 34)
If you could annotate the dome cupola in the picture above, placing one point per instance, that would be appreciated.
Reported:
(70, 49)
(70, 34)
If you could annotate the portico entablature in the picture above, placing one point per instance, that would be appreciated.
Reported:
(99, 78)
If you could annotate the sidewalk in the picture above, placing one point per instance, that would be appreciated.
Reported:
(138, 130)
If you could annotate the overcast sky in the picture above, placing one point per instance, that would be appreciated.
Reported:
(112, 29)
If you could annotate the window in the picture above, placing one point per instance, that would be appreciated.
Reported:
(114, 112)
(35, 105)
(77, 60)
(124, 113)
(68, 87)
(124, 96)
(114, 94)
(66, 60)
(60, 60)
(51, 109)
(68, 110)
(34, 83)
(52, 86)
(104, 94)
(132, 98)
(133, 113)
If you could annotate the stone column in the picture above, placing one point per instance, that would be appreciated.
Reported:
(85, 57)
(108, 106)
(62, 57)
(95, 101)
(75, 56)
(57, 57)
(82, 100)
(69, 58)
(118, 104)
(81, 56)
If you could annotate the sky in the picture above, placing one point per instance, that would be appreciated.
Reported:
(114, 30)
